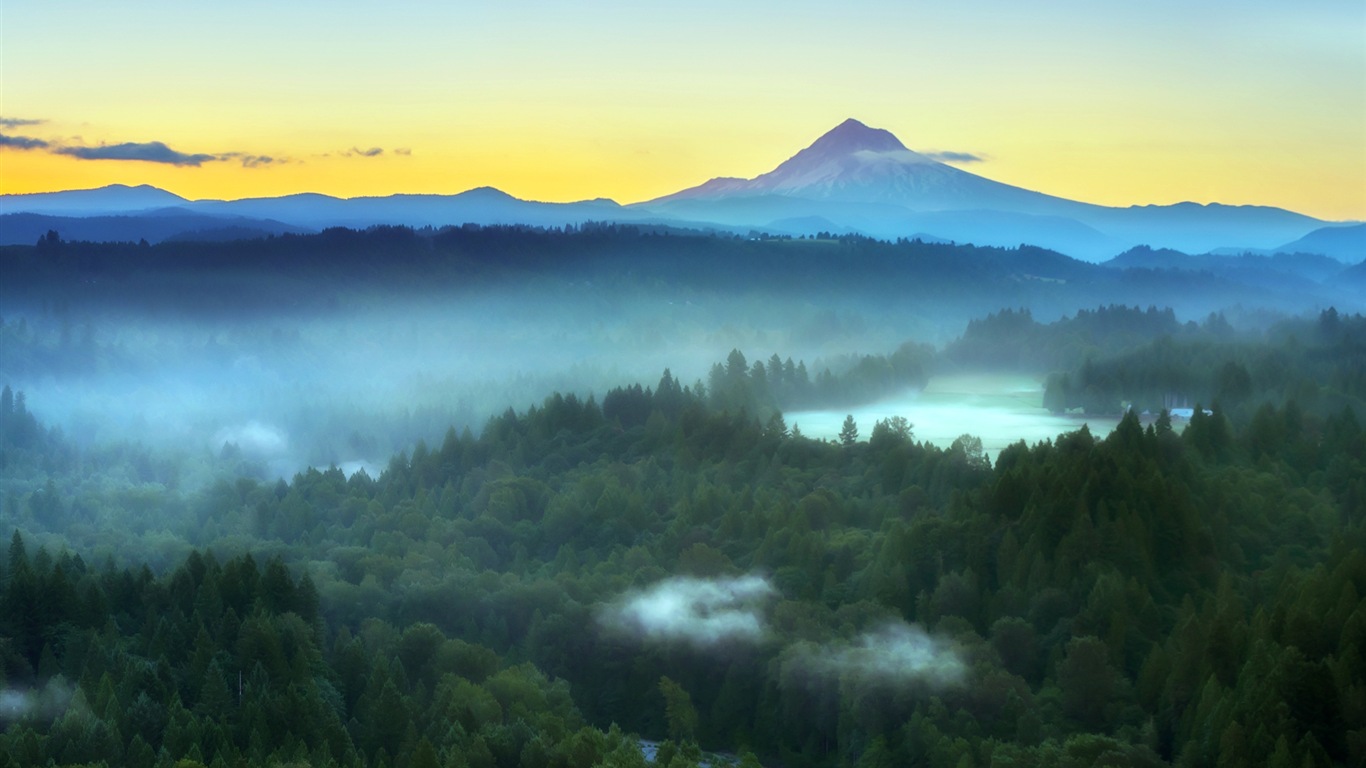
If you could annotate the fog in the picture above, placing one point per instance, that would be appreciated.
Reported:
(1000, 409)
(46, 703)
(710, 612)
(284, 390)
(342, 350)
(895, 654)
(701, 612)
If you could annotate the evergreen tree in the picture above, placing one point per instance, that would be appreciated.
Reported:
(849, 431)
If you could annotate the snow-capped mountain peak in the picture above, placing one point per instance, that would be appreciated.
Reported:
(852, 136)
(858, 164)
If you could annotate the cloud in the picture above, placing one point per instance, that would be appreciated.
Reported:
(21, 142)
(955, 157)
(698, 611)
(150, 152)
(147, 152)
(253, 161)
(897, 654)
(405, 151)
(358, 152)
(16, 122)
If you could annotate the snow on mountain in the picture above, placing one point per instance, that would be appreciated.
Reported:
(902, 192)
(854, 163)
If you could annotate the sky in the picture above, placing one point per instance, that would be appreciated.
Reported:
(1117, 103)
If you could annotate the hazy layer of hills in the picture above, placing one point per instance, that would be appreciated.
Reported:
(853, 179)
(939, 285)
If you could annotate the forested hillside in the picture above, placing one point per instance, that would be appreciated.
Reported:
(667, 565)
(311, 273)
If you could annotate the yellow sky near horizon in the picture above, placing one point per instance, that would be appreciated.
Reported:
(1238, 103)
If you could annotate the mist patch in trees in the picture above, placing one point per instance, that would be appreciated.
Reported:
(702, 612)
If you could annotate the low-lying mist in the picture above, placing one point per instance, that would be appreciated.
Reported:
(347, 347)
(999, 409)
(352, 387)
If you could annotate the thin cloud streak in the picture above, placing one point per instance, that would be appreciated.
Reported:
(18, 122)
(149, 152)
(253, 161)
(22, 142)
(949, 156)
(146, 152)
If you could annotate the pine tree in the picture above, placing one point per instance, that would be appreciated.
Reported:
(849, 431)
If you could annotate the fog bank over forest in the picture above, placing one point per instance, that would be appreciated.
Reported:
(358, 385)
(346, 347)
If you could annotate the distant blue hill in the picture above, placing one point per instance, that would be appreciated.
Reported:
(1354, 276)
(1345, 243)
(154, 227)
(1310, 266)
(112, 199)
(1284, 273)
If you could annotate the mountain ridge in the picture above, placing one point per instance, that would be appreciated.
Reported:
(856, 178)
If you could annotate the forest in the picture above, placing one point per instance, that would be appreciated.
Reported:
(665, 571)
(1151, 597)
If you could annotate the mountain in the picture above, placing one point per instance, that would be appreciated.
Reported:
(854, 166)
(853, 163)
(113, 213)
(1201, 228)
(865, 180)
(483, 205)
(1345, 243)
(115, 198)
